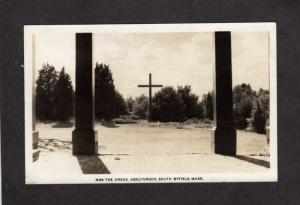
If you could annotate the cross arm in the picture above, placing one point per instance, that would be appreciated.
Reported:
(147, 86)
(157, 86)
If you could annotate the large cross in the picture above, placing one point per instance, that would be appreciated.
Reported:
(150, 86)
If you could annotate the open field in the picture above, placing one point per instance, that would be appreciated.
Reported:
(153, 138)
(146, 148)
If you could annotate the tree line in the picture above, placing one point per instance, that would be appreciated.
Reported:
(54, 94)
(55, 101)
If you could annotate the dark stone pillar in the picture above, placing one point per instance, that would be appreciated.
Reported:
(224, 134)
(84, 138)
(35, 133)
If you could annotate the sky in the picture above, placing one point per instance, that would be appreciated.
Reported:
(172, 58)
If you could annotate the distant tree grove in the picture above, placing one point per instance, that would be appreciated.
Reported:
(250, 108)
(55, 101)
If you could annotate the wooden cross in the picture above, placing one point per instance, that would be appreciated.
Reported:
(150, 86)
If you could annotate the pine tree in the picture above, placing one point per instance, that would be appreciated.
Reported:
(207, 103)
(104, 92)
(120, 106)
(63, 97)
(130, 103)
(45, 85)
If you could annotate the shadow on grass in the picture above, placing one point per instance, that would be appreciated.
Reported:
(91, 164)
(109, 124)
(252, 160)
(67, 124)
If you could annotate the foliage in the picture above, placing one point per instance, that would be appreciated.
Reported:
(45, 85)
(120, 107)
(63, 97)
(129, 102)
(260, 112)
(192, 109)
(258, 120)
(104, 92)
(168, 106)
(243, 98)
(140, 106)
(263, 99)
(207, 106)
(109, 103)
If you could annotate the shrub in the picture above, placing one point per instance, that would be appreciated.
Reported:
(140, 106)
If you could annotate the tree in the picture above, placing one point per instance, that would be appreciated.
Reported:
(140, 106)
(168, 106)
(63, 97)
(130, 103)
(258, 119)
(264, 100)
(207, 104)
(45, 85)
(260, 112)
(120, 107)
(192, 109)
(104, 92)
(243, 98)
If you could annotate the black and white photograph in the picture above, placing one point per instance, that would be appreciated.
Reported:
(159, 103)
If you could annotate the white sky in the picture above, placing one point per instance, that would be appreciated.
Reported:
(172, 58)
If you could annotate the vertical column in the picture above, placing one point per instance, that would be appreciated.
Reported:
(224, 134)
(84, 138)
(150, 98)
(35, 133)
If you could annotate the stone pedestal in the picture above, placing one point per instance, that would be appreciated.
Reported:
(84, 138)
(85, 142)
(35, 147)
(224, 141)
(224, 133)
(35, 139)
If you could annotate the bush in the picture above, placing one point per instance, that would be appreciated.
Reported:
(140, 106)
